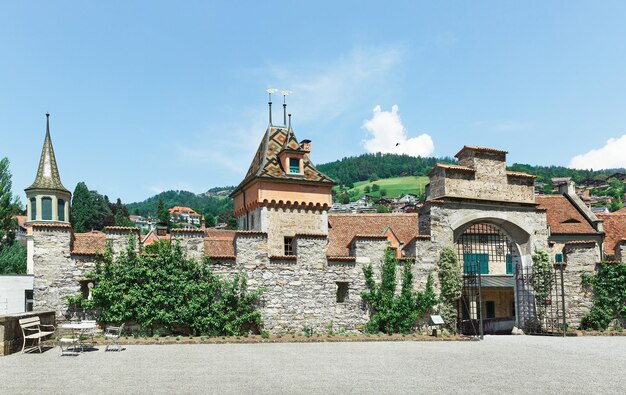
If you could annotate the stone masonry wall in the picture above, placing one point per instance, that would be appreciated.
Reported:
(580, 259)
(191, 241)
(54, 271)
(119, 236)
(302, 292)
(281, 223)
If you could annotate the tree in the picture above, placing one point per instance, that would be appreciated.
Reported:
(12, 253)
(375, 187)
(367, 189)
(381, 208)
(344, 198)
(13, 258)
(9, 206)
(121, 214)
(209, 221)
(168, 291)
(84, 214)
(383, 192)
(163, 214)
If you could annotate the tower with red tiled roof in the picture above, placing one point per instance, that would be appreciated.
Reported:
(47, 199)
(283, 193)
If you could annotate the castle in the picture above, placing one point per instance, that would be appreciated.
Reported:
(310, 262)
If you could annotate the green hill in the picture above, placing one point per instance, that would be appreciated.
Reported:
(386, 187)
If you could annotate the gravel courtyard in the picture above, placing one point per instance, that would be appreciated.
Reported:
(512, 364)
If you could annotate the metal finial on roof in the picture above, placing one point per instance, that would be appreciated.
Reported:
(285, 93)
(289, 121)
(269, 92)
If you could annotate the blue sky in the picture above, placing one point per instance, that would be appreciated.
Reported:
(148, 96)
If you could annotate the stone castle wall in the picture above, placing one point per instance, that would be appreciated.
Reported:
(580, 258)
(56, 275)
(302, 291)
(285, 222)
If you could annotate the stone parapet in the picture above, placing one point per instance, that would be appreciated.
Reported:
(310, 250)
(119, 236)
(251, 249)
(191, 240)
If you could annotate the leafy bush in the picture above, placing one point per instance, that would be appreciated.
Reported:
(13, 258)
(451, 283)
(172, 292)
(391, 312)
(609, 286)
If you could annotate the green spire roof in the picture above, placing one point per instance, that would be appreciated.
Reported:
(47, 173)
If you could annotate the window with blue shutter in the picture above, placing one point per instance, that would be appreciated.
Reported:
(558, 258)
(470, 263)
(46, 208)
(294, 165)
(61, 209)
(509, 264)
(33, 209)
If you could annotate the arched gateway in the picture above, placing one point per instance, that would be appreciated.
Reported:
(486, 250)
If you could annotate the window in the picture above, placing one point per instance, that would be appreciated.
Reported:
(61, 209)
(294, 165)
(33, 209)
(509, 264)
(288, 246)
(342, 291)
(46, 208)
(471, 261)
(558, 258)
(28, 297)
(490, 307)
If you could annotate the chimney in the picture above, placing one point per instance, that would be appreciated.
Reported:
(306, 145)
(568, 188)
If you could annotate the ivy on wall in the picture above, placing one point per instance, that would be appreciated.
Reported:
(391, 312)
(451, 283)
(609, 285)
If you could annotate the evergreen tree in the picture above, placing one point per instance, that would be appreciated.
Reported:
(12, 253)
(121, 214)
(9, 206)
(84, 214)
(162, 214)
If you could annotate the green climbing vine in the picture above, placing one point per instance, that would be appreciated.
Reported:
(609, 285)
(451, 283)
(543, 279)
(392, 312)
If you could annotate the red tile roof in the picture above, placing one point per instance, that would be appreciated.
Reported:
(219, 243)
(614, 229)
(344, 227)
(563, 217)
(180, 209)
(89, 243)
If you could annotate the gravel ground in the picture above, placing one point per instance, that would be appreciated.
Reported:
(511, 364)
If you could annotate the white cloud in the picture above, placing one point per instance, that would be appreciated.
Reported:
(608, 157)
(388, 135)
(333, 87)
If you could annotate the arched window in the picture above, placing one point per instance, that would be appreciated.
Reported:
(46, 208)
(33, 209)
(61, 209)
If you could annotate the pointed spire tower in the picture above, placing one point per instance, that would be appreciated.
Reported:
(47, 198)
(283, 193)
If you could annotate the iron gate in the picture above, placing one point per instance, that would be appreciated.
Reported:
(540, 314)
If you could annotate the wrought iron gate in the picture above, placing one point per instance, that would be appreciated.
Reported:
(540, 314)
